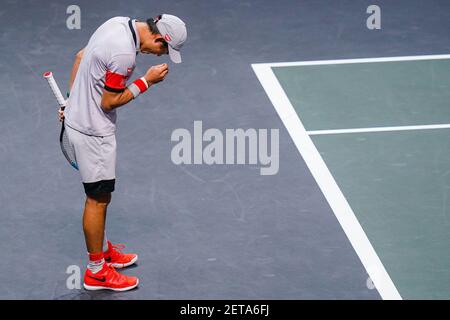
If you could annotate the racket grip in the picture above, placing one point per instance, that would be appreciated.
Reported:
(55, 89)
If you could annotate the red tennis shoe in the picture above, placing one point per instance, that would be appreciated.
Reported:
(115, 258)
(109, 278)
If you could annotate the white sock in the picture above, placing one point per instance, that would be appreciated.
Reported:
(95, 264)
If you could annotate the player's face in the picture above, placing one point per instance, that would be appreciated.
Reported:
(155, 44)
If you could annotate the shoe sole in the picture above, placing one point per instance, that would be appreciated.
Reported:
(122, 265)
(94, 288)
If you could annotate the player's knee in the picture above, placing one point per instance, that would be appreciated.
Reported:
(99, 191)
(99, 199)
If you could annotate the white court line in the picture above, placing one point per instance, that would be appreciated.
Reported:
(320, 171)
(322, 174)
(378, 129)
(347, 61)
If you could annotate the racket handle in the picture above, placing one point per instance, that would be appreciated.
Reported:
(55, 89)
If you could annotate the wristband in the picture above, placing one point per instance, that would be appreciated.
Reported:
(138, 86)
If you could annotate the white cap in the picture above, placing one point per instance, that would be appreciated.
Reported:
(174, 32)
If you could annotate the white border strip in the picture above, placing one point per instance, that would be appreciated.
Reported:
(326, 182)
(379, 129)
(347, 61)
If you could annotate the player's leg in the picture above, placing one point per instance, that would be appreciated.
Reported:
(99, 275)
(94, 221)
(96, 158)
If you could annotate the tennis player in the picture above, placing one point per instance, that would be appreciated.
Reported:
(98, 85)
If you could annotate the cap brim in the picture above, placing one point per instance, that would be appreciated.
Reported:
(174, 55)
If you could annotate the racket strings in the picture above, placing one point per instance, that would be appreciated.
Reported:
(67, 149)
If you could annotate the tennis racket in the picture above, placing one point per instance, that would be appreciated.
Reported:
(66, 147)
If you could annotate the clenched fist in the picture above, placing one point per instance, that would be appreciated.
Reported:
(156, 74)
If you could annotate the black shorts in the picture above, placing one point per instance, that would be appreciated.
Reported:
(99, 188)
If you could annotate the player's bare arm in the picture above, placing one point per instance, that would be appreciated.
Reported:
(76, 64)
(112, 100)
(73, 73)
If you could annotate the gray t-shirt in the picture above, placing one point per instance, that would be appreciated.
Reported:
(108, 62)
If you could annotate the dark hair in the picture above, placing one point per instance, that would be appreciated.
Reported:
(151, 23)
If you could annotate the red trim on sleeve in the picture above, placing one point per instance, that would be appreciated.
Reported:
(115, 80)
